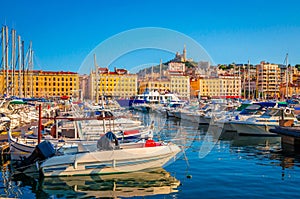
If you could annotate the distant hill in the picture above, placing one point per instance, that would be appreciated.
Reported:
(156, 69)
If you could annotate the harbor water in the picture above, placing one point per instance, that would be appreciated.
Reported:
(210, 166)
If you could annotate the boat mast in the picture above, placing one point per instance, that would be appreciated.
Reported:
(239, 78)
(244, 80)
(276, 82)
(97, 79)
(29, 68)
(3, 52)
(249, 79)
(256, 86)
(160, 69)
(152, 73)
(234, 70)
(20, 66)
(23, 69)
(31, 79)
(6, 58)
(13, 58)
(287, 76)
(151, 78)
(262, 81)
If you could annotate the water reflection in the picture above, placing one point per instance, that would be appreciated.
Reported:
(269, 149)
(155, 182)
(110, 186)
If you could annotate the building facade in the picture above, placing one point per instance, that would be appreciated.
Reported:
(226, 86)
(158, 85)
(180, 85)
(38, 83)
(268, 80)
(117, 84)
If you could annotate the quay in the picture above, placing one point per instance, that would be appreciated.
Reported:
(290, 137)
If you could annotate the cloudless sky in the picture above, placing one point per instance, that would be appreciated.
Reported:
(64, 32)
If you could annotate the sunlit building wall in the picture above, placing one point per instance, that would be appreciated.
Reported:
(38, 83)
(118, 84)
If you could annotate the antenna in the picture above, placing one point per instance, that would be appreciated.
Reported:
(97, 78)
(249, 79)
(287, 76)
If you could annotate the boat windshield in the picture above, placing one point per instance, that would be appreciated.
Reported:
(251, 110)
(270, 113)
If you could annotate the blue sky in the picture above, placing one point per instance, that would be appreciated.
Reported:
(64, 32)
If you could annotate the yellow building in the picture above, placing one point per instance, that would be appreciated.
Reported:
(159, 85)
(178, 84)
(268, 79)
(38, 83)
(117, 84)
(218, 87)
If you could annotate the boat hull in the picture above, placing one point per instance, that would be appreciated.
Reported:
(109, 162)
(253, 129)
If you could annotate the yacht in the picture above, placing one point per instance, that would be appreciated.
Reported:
(260, 125)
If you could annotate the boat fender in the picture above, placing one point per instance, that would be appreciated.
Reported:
(287, 111)
(150, 143)
(266, 128)
(237, 117)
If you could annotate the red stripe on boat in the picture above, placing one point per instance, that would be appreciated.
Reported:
(130, 132)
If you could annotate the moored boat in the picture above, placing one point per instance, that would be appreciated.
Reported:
(111, 158)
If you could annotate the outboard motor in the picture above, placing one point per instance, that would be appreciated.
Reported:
(42, 151)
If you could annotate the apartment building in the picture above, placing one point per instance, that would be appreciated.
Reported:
(118, 83)
(38, 83)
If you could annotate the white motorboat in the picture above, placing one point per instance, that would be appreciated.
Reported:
(110, 158)
(21, 147)
(142, 102)
(260, 126)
